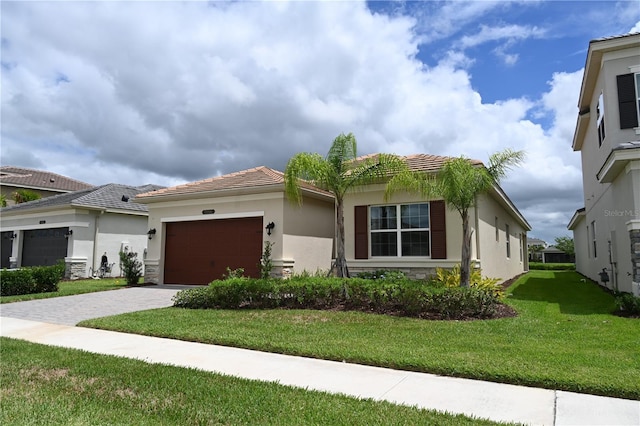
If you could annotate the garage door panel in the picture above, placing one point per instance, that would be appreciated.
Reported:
(200, 251)
(44, 247)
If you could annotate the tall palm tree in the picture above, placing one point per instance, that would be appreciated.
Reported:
(458, 183)
(338, 173)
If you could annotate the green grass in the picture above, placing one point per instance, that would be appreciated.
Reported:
(47, 385)
(563, 338)
(69, 288)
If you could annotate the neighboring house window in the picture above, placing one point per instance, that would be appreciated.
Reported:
(507, 238)
(600, 120)
(588, 245)
(593, 239)
(628, 100)
(400, 230)
(497, 230)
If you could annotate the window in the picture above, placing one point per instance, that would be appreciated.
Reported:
(497, 230)
(594, 246)
(400, 230)
(600, 121)
(507, 238)
(520, 240)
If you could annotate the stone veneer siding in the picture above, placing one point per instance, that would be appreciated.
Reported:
(413, 273)
(151, 273)
(75, 269)
(634, 236)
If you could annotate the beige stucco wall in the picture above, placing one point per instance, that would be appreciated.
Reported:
(581, 244)
(612, 206)
(493, 257)
(415, 266)
(302, 236)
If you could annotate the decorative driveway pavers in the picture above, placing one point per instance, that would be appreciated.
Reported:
(70, 310)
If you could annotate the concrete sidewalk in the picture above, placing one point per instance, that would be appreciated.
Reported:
(499, 402)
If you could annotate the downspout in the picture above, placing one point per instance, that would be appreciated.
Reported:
(95, 240)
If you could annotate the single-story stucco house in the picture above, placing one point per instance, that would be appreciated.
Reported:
(77, 227)
(203, 228)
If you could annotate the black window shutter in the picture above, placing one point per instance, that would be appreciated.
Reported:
(627, 102)
(361, 233)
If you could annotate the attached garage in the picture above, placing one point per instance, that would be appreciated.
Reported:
(44, 247)
(197, 252)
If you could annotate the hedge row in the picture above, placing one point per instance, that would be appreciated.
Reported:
(37, 279)
(552, 266)
(401, 297)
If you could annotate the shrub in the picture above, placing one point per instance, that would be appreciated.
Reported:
(628, 304)
(131, 267)
(46, 278)
(383, 274)
(19, 281)
(400, 297)
(451, 278)
(266, 263)
(38, 279)
(552, 266)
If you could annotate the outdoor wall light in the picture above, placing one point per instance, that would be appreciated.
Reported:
(269, 227)
(151, 232)
(10, 237)
(68, 233)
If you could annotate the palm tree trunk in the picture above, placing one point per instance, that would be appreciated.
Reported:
(341, 262)
(465, 263)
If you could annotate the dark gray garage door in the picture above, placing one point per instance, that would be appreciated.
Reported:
(200, 251)
(44, 247)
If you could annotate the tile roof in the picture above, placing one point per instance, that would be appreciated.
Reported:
(421, 162)
(110, 196)
(264, 176)
(252, 178)
(39, 179)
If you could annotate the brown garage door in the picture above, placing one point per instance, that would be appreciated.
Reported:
(200, 251)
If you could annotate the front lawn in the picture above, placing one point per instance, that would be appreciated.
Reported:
(563, 338)
(69, 288)
(48, 385)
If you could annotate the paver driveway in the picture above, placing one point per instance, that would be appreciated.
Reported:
(70, 310)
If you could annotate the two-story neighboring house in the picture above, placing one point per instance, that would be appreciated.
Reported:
(607, 229)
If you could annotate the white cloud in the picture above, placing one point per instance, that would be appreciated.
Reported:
(636, 28)
(510, 33)
(168, 92)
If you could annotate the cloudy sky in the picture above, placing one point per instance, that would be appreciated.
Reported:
(170, 92)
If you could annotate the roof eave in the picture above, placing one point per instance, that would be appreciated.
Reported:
(577, 216)
(504, 199)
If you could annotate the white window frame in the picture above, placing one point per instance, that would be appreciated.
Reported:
(600, 121)
(508, 240)
(636, 80)
(594, 241)
(398, 230)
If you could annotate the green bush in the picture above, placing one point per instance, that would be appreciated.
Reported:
(401, 297)
(383, 274)
(37, 279)
(131, 267)
(628, 304)
(451, 278)
(552, 266)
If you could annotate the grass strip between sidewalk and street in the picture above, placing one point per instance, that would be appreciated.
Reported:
(565, 337)
(49, 385)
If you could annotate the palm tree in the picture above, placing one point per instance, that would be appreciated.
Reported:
(338, 173)
(458, 183)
